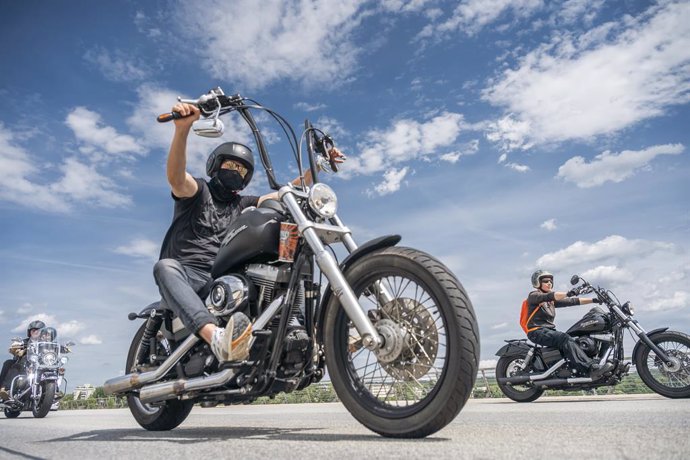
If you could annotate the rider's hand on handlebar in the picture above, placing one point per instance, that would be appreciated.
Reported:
(189, 113)
(336, 156)
(571, 293)
(596, 300)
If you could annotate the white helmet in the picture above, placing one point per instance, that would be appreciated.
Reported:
(538, 275)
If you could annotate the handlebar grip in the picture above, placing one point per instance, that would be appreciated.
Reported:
(166, 117)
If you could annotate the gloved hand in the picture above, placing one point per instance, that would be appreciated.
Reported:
(571, 293)
(596, 300)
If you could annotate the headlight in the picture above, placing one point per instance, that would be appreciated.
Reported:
(49, 359)
(628, 309)
(323, 201)
(64, 359)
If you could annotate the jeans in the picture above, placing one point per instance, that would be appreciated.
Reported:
(567, 345)
(178, 286)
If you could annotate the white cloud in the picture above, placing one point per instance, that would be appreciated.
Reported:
(25, 308)
(679, 299)
(614, 246)
(307, 107)
(257, 43)
(406, 140)
(549, 225)
(488, 364)
(471, 16)
(82, 183)
(499, 326)
(79, 184)
(572, 10)
(93, 135)
(140, 248)
(392, 179)
(612, 167)
(404, 6)
(581, 86)
(116, 65)
(91, 340)
(451, 157)
(20, 170)
(608, 274)
(518, 167)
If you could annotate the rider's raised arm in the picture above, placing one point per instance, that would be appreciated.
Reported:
(181, 182)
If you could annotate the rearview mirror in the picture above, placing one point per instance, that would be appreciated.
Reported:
(209, 127)
(70, 344)
(574, 280)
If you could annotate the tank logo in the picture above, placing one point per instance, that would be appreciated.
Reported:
(588, 323)
(233, 234)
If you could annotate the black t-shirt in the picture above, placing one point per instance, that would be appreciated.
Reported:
(547, 308)
(199, 225)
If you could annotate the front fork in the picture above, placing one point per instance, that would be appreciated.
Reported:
(329, 266)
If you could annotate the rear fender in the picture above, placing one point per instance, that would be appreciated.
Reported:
(514, 348)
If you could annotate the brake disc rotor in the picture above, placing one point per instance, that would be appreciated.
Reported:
(418, 335)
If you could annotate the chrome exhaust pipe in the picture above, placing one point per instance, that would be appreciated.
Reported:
(171, 390)
(530, 378)
(136, 380)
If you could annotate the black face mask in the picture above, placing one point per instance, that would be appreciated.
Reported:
(225, 184)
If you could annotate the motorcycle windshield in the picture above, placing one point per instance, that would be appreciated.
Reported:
(45, 351)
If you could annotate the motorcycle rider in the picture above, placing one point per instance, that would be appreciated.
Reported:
(203, 212)
(542, 304)
(13, 367)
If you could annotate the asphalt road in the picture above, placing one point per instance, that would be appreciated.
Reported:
(606, 427)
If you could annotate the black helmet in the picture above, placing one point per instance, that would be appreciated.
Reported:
(231, 151)
(538, 275)
(38, 324)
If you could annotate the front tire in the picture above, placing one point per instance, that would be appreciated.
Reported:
(671, 381)
(42, 407)
(161, 417)
(421, 386)
(505, 368)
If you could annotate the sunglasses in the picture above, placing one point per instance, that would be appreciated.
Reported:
(235, 166)
(547, 280)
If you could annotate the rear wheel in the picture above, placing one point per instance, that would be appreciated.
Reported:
(422, 377)
(9, 413)
(509, 366)
(161, 416)
(42, 406)
(670, 380)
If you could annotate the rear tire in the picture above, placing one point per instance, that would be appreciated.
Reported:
(672, 382)
(161, 417)
(519, 393)
(421, 389)
(9, 413)
(42, 408)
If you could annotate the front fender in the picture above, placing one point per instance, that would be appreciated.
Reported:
(514, 348)
(368, 247)
(640, 343)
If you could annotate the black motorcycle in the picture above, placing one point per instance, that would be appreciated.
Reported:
(38, 386)
(661, 357)
(394, 325)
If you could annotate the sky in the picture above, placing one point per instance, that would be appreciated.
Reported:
(499, 136)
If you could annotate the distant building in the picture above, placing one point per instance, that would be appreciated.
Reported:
(83, 391)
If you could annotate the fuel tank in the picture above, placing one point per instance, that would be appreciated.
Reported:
(252, 238)
(595, 320)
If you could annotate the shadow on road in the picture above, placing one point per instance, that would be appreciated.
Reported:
(202, 435)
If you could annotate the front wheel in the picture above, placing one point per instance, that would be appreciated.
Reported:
(670, 380)
(509, 366)
(422, 377)
(162, 416)
(42, 406)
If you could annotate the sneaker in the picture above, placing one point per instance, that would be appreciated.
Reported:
(232, 343)
(4, 395)
(596, 371)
